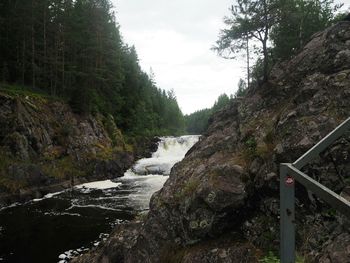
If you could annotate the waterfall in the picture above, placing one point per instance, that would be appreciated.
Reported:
(87, 214)
(148, 175)
(170, 151)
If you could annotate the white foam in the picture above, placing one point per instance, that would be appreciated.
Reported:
(106, 184)
(170, 151)
(149, 175)
(49, 195)
(9, 206)
(92, 206)
(61, 214)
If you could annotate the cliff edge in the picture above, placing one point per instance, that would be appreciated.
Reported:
(45, 147)
(220, 203)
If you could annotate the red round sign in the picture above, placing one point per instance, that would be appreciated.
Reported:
(289, 181)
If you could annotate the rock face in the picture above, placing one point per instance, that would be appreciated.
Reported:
(43, 143)
(220, 203)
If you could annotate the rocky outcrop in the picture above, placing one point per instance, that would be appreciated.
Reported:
(220, 203)
(44, 144)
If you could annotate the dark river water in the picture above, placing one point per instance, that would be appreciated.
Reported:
(61, 225)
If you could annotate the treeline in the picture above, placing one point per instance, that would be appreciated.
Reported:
(197, 122)
(73, 49)
(275, 30)
(265, 32)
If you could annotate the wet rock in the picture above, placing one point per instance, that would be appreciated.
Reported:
(18, 145)
(113, 168)
(338, 251)
(221, 254)
(228, 182)
(29, 175)
(58, 143)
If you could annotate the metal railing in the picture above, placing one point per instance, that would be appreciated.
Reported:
(289, 172)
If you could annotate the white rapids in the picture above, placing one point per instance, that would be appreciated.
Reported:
(170, 151)
(91, 210)
(148, 175)
(136, 187)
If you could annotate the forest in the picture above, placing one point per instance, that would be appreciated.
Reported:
(198, 121)
(73, 50)
(268, 32)
(264, 33)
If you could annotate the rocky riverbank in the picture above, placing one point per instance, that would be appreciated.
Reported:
(46, 147)
(220, 203)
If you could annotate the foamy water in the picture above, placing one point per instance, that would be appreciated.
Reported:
(170, 151)
(73, 221)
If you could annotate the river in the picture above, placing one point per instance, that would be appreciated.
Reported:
(61, 225)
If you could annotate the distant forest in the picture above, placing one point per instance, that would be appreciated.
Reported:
(198, 121)
(73, 50)
(264, 32)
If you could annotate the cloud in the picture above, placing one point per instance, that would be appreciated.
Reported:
(174, 38)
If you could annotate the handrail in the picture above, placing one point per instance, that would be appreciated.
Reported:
(322, 145)
(336, 201)
(289, 172)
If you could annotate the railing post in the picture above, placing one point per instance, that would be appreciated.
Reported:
(287, 215)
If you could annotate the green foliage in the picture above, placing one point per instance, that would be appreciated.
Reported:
(73, 50)
(250, 147)
(249, 151)
(270, 258)
(188, 189)
(6, 181)
(220, 103)
(190, 186)
(197, 122)
(281, 27)
(113, 132)
(249, 20)
(63, 168)
(340, 17)
(235, 37)
(171, 254)
(257, 71)
(297, 21)
(242, 89)
(25, 92)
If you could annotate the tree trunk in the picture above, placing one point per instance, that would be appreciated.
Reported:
(266, 61)
(266, 35)
(23, 58)
(248, 62)
(45, 46)
(33, 47)
(63, 64)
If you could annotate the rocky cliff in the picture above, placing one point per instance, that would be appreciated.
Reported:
(45, 147)
(220, 203)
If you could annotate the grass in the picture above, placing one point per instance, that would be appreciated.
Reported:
(190, 186)
(63, 168)
(272, 258)
(18, 91)
(6, 181)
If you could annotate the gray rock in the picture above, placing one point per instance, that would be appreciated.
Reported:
(227, 186)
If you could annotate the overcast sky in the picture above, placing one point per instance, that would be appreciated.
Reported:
(174, 39)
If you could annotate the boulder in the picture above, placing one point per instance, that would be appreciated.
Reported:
(227, 187)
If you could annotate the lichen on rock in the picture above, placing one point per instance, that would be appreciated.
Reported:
(43, 143)
(227, 186)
